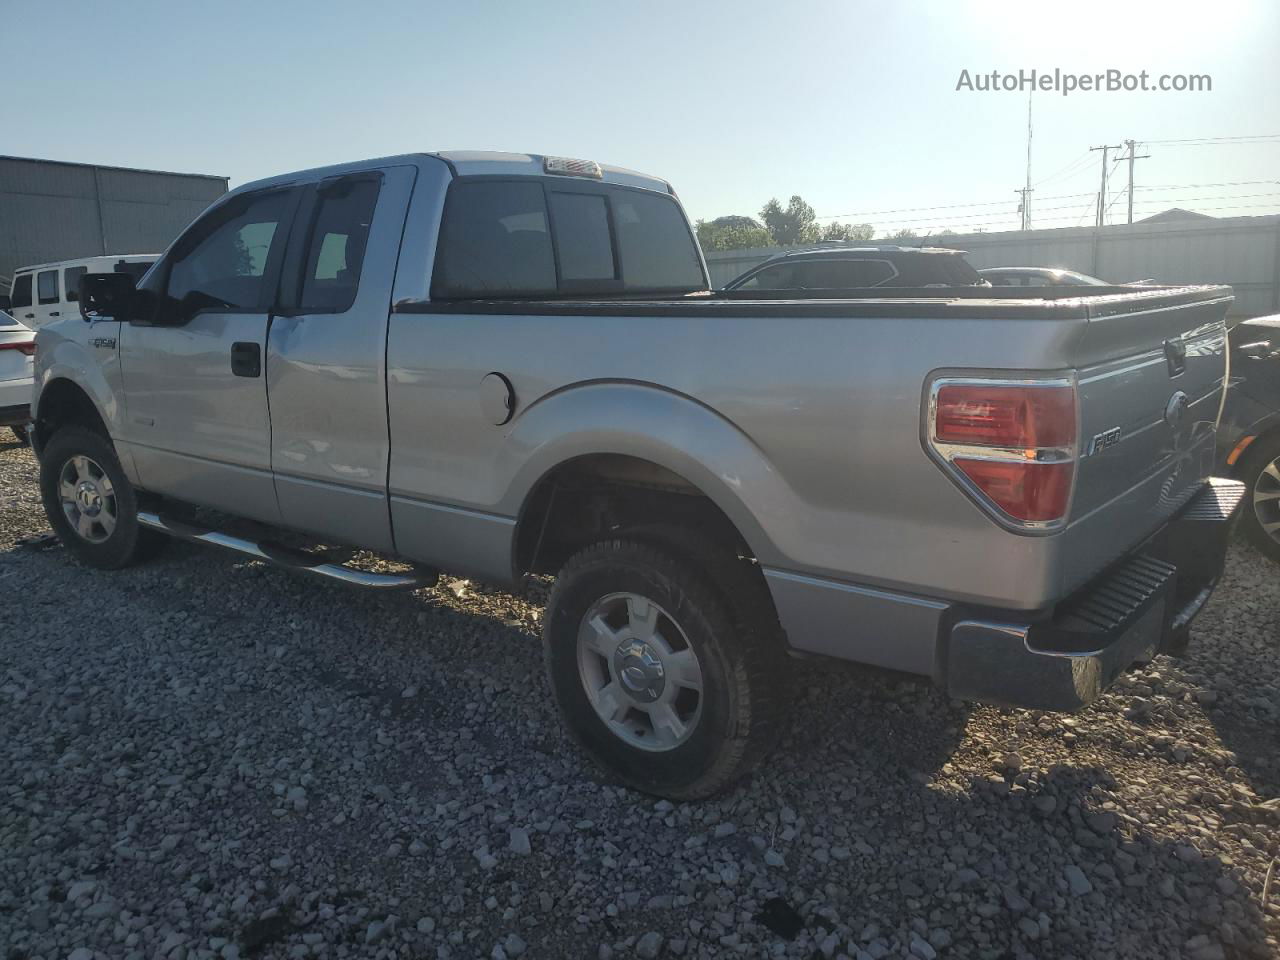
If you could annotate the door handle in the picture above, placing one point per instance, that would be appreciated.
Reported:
(55, 313)
(28, 316)
(246, 359)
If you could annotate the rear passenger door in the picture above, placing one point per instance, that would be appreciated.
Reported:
(48, 305)
(326, 357)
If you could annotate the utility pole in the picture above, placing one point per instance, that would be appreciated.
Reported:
(1102, 191)
(1132, 158)
(1022, 207)
(1026, 190)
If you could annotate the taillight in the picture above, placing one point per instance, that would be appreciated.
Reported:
(1010, 444)
(27, 347)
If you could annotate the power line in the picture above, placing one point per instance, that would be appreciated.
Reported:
(949, 206)
(1221, 143)
(1077, 162)
(960, 220)
(1188, 186)
(1252, 136)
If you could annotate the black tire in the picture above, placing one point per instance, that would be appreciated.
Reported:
(21, 434)
(742, 668)
(1261, 457)
(126, 541)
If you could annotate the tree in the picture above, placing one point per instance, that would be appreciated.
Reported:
(731, 233)
(851, 232)
(906, 233)
(792, 225)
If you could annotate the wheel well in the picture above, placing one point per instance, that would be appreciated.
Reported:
(1267, 437)
(62, 402)
(592, 497)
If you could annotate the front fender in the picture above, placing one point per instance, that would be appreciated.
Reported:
(85, 355)
(651, 423)
(63, 357)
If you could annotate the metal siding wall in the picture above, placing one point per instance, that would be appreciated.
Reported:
(50, 211)
(1240, 251)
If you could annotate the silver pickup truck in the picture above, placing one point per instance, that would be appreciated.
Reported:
(502, 365)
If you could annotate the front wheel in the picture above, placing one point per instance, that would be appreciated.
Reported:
(89, 501)
(1260, 469)
(656, 679)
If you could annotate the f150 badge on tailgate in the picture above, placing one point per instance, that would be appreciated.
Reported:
(1100, 441)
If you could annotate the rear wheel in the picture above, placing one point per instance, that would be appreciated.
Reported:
(1260, 469)
(654, 676)
(89, 501)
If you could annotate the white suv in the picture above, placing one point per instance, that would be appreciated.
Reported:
(48, 291)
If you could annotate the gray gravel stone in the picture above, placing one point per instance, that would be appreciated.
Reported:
(206, 758)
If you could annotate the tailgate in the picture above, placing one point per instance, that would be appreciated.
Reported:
(1151, 368)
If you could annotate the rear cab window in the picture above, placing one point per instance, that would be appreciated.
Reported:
(534, 237)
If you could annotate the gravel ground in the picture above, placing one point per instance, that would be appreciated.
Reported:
(203, 757)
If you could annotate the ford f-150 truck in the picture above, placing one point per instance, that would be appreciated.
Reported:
(502, 364)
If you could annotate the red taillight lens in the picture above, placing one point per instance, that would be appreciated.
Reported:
(1028, 491)
(28, 347)
(997, 415)
(1012, 446)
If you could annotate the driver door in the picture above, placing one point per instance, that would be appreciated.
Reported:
(195, 394)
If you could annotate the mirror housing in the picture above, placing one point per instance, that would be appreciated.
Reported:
(108, 296)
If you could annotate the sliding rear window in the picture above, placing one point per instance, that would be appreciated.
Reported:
(540, 238)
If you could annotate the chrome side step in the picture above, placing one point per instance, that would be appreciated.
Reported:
(287, 557)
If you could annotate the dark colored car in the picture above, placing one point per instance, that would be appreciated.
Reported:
(837, 267)
(1249, 434)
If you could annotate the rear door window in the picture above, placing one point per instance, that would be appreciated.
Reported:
(47, 287)
(843, 274)
(781, 277)
(71, 281)
(335, 249)
(20, 296)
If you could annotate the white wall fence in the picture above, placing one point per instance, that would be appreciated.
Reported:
(1241, 251)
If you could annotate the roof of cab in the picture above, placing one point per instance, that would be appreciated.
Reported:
(468, 163)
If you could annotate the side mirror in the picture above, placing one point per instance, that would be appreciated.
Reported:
(108, 295)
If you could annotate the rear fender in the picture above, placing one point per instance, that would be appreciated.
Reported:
(660, 426)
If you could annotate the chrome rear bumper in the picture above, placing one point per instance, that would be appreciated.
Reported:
(1143, 605)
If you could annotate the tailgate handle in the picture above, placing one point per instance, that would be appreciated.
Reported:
(1175, 355)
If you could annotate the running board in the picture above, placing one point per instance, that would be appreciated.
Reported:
(287, 557)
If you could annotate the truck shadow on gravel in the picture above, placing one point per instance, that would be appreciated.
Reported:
(1239, 686)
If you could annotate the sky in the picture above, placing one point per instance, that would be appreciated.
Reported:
(852, 105)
